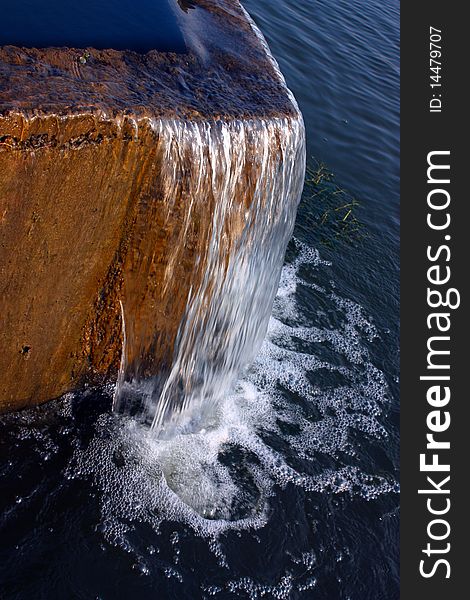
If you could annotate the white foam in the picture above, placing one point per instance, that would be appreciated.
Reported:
(221, 475)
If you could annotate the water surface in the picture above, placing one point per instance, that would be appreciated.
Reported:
(139, 25)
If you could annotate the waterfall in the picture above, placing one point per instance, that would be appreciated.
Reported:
(236, 185)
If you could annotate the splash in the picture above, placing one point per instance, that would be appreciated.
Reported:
(275, 429)
(240, 183)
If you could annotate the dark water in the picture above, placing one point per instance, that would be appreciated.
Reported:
(292, 493)
(139, 25)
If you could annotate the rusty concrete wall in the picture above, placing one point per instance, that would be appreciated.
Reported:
(69, 196)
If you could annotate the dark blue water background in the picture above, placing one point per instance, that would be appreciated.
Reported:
(139, 25)
(340, 58)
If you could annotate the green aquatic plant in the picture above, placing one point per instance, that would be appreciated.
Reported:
(329, 208)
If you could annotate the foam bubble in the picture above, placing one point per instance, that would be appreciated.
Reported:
(273, 430)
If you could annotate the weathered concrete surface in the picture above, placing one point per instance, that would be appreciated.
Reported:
(67, 216)
(84, 220)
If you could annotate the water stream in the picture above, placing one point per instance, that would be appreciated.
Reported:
(242, 182)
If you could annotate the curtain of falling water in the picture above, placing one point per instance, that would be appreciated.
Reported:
(245, 180)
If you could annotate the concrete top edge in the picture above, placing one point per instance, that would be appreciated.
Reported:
(227, 73)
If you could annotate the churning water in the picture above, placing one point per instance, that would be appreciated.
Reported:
(266, 432)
